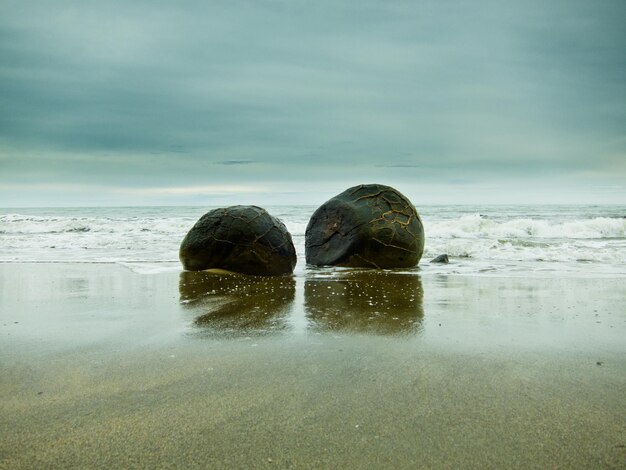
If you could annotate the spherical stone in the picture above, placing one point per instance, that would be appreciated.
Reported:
(370, 225)
(242, 239)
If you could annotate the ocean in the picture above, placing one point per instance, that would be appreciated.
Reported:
(501, 240)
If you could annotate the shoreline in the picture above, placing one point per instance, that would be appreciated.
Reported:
(107, 367)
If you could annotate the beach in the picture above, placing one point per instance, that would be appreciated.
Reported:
(101, 366)
(425, 203)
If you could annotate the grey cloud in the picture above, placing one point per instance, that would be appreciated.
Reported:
(399, 165)
(165, 92)
(235, 162)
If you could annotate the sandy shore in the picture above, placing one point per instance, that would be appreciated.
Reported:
(101, 367)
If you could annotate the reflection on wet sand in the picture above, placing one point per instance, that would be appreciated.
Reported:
(236, 304)
(375, 302)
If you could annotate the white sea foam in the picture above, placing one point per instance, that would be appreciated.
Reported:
(598, 239)
(147, 239)
(477, 226)
(151, 268)
(102, 239)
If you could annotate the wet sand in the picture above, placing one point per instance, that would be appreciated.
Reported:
(104, 367)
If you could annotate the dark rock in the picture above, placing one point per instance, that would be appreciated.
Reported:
(369, 225)
(242, 239)
(443, 259)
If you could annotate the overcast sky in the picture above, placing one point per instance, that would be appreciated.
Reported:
(211, 102)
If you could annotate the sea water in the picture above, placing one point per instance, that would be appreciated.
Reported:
(480, 240)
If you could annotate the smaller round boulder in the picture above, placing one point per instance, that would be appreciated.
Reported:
(242, 239)
(370, 225)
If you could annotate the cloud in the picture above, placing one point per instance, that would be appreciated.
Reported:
(235, 162)
(152, 93)
(399, 166)
(196, 190)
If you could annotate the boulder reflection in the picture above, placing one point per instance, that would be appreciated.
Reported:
(236, 304)
(376, 302)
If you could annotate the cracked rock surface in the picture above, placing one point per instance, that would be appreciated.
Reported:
(370, 225)
(242, 239)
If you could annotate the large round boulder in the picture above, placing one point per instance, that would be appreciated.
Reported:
(370, 225)
(242, 239)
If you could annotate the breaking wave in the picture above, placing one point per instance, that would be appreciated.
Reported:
(477, 226)
(141, 235)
